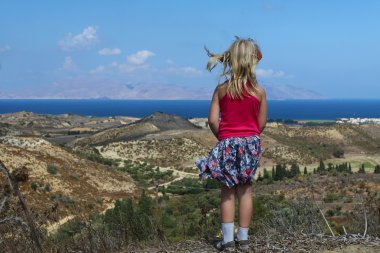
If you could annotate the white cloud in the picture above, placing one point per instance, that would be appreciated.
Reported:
(69, 64)
(109, 51)
(264, 73)
(134, 62)
(189, 71)
(85, 39)
(169, 61)
(125, 68)
(5, 48)
(140, 57)
(98, 69)
(269, 73)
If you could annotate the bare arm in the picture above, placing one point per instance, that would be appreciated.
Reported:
(263, 113)
(213, 117)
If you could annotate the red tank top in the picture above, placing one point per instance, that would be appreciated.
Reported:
(239, 118)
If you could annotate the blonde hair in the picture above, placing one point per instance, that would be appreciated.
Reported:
(238, 66)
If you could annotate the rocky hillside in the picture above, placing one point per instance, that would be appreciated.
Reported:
(306, 145)
(59, 181)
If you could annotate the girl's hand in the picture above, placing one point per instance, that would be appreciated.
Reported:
(263, 112)
(213, 117)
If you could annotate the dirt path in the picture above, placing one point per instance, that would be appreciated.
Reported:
(53, 227)
(180, 174)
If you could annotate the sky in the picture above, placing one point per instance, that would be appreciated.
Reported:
(155, 49)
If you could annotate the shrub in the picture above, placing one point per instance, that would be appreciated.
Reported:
(74, 177)
(361, 169)
(330, 213)
(347, 199)
(34, 186)
(377, 169)
(185, 186)
(66, 200)
(330, 197)
(52, 169)
(47, 187)
(338, 153)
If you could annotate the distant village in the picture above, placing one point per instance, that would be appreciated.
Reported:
(359, 120)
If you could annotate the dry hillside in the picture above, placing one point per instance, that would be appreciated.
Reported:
(61, 180)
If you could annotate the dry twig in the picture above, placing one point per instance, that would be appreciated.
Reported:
(13, 183)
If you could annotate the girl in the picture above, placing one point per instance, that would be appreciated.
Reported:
(234, 159)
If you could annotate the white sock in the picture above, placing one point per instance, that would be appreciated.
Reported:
(242, 233)
(228, 232)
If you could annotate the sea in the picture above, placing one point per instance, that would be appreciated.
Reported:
(296, 109)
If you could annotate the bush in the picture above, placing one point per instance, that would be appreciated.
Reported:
(146, 174)
(34, 186)
(184, 186)
(47, 187)
(52, 169)
(66, 200)
(377, 169)
(347, 199)
(330, 197)
(330, 213)
(361, 169)
(338, 153)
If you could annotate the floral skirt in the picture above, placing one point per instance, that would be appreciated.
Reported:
(232, 161)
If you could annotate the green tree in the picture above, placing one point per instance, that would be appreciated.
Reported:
(305, 171)
(266, 174)
(280, 171)
(145, 204)
(321, 166)
(377, 169)
(329, 166)
(361, 169)
(259, 178)
(294, 170)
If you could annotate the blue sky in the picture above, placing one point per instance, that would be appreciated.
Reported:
(154, 49)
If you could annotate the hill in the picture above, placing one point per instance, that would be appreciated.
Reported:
(61, 181)
(156, 122)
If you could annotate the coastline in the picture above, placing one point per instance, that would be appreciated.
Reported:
(301, 110)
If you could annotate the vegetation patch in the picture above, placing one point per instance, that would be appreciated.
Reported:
(146, 174)
(52, 169)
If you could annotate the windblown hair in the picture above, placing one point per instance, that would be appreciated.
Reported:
(238, 66)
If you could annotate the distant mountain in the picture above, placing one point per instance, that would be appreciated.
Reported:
(115, 90)
(275, 91)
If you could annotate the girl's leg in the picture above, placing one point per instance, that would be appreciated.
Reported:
(227, 204)
(244, 192)
(227, 211)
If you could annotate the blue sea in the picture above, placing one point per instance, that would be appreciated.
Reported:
(316, 109)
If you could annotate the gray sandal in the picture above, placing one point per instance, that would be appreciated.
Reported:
(227, 247)
(242, 245)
